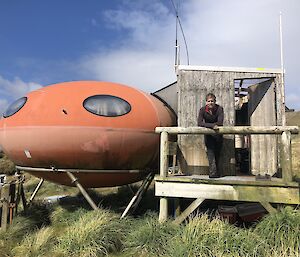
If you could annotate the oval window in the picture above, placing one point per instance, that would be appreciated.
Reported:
(15, 107)
(106, 105)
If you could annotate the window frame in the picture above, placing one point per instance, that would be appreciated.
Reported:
(109, 116)
(18, 109)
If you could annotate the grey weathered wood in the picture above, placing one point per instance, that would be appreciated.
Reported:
(192, 89)
(163, 209)
(286, 157)
(268, 207)
(261, 110)
(192, 207)
(5, 204)
(228, 180)
(272, 194)
(164, 153)
(230, 130)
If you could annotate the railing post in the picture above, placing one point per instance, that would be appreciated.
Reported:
(286, 156)
(164, 163)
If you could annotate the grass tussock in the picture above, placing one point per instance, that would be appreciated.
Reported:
(148, 237)
(281, 231)
(96, 233)
(37, 244)
(63, 232)
(6, 166)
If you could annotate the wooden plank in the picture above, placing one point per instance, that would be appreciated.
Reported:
(228, 180)
(228, 192)
(268, 207)
(193, 206)
(261, 111)
(230, 130)
(286, 157)
(164, 154)
(5, 204)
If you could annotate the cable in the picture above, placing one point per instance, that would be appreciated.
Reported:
(185, 43)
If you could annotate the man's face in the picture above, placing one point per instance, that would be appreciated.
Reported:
(210, 102)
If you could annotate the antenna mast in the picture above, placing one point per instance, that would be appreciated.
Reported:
(282, 67)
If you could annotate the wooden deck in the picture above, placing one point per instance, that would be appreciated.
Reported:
(233, 188)
(284, 190)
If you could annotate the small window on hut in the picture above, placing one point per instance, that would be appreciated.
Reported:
(106, 105)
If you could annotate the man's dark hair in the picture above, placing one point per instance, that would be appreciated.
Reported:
(210, 95)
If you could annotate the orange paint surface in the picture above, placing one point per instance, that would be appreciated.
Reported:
(53, 129)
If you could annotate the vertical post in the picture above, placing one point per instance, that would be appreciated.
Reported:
(5, 203)
(164, 152)
(286, 157)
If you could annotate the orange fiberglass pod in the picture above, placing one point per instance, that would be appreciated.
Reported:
(102, 132)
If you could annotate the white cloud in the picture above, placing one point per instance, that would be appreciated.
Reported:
(219, 33)
(13, 89)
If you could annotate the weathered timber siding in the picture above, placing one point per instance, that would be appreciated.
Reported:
(262, 113)
(193, 85)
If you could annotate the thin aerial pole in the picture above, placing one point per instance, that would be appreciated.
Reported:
(282, 66)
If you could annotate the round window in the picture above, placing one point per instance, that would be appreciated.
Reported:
(15, 107)
(106, 105)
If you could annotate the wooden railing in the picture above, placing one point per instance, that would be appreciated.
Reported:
(284, 131)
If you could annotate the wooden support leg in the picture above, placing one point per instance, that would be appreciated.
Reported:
(5, 204)
(177, 210)
(82, 190)
(163, 209)
(286, 157)
(268, 207)
(193, 206)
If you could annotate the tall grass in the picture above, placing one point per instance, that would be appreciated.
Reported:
(148, 237)
(203, 236)
(281, 231)
(62, 231)
(37, 244)
(96, 233)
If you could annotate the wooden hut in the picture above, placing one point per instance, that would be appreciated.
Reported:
(254, 119)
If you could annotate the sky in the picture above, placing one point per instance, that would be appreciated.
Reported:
(133, 41)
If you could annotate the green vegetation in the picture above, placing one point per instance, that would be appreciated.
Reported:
(101, 233)
(82, 232)
(6, 166)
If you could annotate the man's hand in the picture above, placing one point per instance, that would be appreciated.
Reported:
(216, 128)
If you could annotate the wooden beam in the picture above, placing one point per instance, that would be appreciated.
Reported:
(286, 157)
(193, 206)
(287, 195)
(4, 202)
(228, 180)
(164, 154)
(230, 130)
(268, 207)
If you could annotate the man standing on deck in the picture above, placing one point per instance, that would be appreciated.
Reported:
(212, 116)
